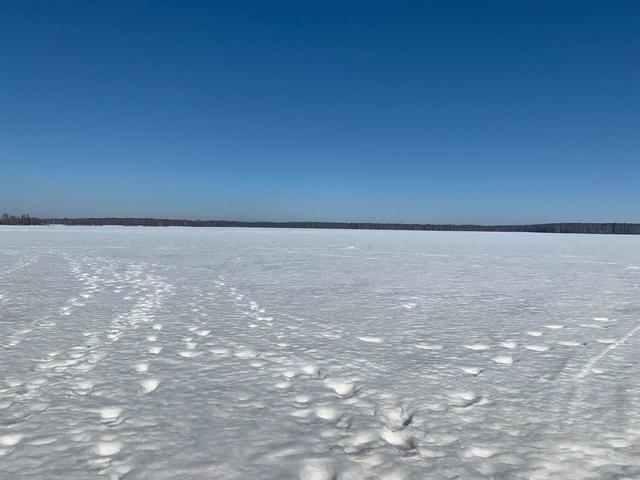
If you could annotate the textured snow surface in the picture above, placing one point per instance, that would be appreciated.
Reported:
(144, 353)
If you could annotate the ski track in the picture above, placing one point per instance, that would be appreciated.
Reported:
(592, 362)
(154, 353)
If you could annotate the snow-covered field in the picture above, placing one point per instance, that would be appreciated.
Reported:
(145, 353)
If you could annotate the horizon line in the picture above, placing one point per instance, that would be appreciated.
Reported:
(626, 228)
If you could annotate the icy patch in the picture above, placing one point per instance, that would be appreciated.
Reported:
(537, 348)
(301, 413)
(317, 471)
(402, 439)
(341, 387)
(189, 353)
(464, 398)
(110, 413)
(246, 353)
(149, 384)
(327, 413)
(428, 346)
(569, 343)
(311, 370)
(142, 367)
(10, 440)
(475, 371)
(477, 346)
(43, 441)
(395, 417)
(503, 359)
(107, 449)
(371, 339)
(481, 452)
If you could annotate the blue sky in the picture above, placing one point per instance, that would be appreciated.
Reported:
(429, 111)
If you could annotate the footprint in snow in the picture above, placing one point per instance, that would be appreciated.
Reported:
(503, 359)
(370, 339)
(477, 346)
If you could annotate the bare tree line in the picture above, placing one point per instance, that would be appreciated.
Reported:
(23, 219)
(591, 228)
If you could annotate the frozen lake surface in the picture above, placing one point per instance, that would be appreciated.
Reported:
(177, 353)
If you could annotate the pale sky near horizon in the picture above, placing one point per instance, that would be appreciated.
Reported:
(428, 111)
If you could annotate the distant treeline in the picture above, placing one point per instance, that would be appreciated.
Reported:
(598, 228)
(23, 219)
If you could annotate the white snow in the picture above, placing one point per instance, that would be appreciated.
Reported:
(110, 413)
(477, 346)
(371, 339)
(106, 449)
(10, 439)
(133, 353)
(142, 367)
(503, 359)
(343, 388)
(327, 413)
(402, 439)
(475, 371)
(317, 472)
(149, 384)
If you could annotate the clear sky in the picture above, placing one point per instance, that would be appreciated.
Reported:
(426, 111)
